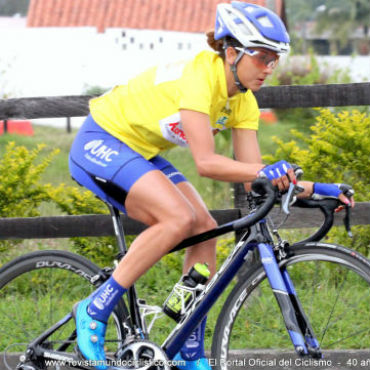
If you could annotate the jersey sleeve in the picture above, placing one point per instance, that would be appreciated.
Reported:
(196, 87)
(247, 112)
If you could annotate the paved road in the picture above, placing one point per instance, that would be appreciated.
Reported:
(273, 360)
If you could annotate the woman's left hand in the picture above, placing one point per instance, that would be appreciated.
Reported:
(343, 192)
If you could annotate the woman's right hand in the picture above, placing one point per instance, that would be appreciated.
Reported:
(281, 174)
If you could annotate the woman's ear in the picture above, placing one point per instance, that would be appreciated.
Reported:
(230, 55)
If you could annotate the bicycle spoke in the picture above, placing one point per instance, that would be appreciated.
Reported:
(333, 308)
(18, 324)
(347, 337)
(349, 306)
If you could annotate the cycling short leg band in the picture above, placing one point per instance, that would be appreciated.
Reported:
(104, 300)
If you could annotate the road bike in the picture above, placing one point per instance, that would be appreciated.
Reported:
(309, 296)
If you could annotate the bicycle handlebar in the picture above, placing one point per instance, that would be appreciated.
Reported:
(264, 188)
(327, 207)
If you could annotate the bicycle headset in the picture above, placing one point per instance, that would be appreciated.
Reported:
(253, 26)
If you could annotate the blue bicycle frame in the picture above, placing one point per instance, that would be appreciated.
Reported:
(296, 322)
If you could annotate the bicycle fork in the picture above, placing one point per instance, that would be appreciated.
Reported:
(296, 321)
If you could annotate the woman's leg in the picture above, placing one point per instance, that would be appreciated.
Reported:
(154, 200)
(203, 252)
(193, 349)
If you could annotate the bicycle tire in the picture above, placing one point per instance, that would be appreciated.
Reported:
(29, 285)
(332, 283)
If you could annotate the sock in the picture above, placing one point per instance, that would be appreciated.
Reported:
(193, 348)
(104, 299)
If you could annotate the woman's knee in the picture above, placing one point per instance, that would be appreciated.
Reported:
(182, 225)
(204, 222)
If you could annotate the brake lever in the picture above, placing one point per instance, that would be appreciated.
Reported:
(346, 220)
(289, 197)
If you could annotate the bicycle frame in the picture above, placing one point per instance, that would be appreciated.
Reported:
(297, 324)
(258, 236)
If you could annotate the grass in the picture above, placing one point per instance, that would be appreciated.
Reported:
(36, 300)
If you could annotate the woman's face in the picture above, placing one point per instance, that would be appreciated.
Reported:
(254, 66)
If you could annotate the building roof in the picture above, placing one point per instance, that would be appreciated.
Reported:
(171, 15)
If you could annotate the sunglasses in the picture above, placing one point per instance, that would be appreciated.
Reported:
(261, 58)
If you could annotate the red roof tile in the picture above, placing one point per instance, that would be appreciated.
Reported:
(172, 15)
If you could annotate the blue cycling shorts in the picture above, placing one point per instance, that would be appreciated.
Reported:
(108, 167)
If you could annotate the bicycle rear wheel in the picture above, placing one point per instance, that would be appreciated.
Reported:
(39, 289)
(333, 285)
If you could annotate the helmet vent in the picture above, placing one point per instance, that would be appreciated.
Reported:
(265, 22)
(243, 28)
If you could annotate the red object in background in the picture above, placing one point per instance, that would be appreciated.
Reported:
(268, 117)
(17, 127)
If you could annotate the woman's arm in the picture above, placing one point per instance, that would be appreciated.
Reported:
(198, 132)
(246, 148)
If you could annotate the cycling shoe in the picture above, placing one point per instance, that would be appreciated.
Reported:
(200, 364)
(90, 335)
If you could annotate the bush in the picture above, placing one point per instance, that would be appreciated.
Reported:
(76, 201)
(21, 191)
(336, 151)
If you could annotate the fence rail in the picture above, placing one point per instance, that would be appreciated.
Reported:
(268, 97)
(101, 225)
(331, 95)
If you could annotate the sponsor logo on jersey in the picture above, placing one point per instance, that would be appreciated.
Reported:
(171, 128)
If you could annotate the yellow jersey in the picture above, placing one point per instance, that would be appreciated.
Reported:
(145, 113)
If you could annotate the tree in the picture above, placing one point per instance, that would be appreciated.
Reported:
(342, 17)
(12, 7)
(339, 17)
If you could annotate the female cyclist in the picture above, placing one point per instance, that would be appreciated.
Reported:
(115, 155)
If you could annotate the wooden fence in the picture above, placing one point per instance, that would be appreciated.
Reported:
(98, 225)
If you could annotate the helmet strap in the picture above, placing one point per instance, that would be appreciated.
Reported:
(233, 66)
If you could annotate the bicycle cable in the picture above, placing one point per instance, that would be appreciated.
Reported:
(6, 351)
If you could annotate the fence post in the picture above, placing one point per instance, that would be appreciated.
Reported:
(69, 125)
(240, 202)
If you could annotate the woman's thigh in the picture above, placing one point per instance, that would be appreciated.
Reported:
(110, 169)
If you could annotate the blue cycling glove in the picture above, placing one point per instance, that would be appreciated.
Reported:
(321, 190)
(275, 171)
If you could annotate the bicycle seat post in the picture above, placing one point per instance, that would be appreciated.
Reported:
(118, 229)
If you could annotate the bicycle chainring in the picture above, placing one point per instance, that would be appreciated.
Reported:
(142, 355)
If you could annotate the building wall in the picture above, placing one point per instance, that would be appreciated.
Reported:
(65, 61)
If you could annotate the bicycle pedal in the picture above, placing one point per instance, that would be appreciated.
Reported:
(79, 354)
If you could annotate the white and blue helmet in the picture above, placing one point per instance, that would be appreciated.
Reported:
(252, 25)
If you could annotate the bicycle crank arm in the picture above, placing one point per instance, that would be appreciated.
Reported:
(67, 359)
(283, 298)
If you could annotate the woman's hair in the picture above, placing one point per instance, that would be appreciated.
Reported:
(221, 45)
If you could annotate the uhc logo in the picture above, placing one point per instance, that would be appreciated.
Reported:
(98, 150)
(104, 297)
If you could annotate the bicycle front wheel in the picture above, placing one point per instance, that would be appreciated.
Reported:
(333, 285)
(39, 289)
